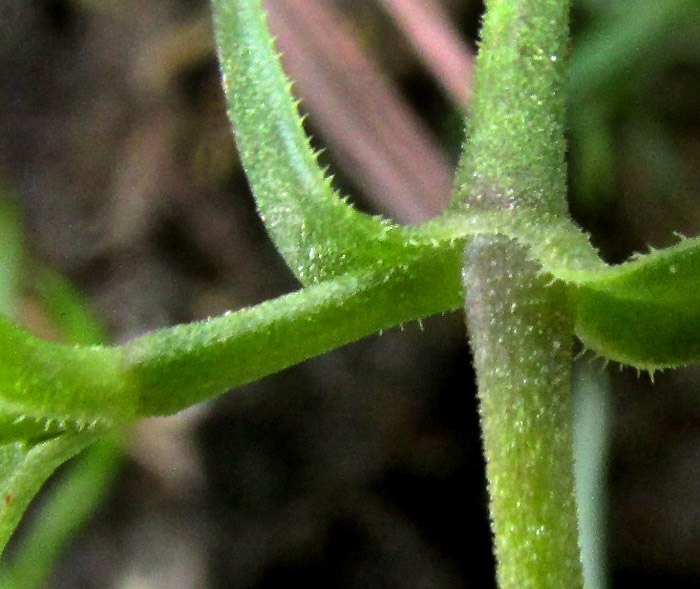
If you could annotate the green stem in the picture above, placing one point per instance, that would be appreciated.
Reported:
(521, 333)
(46, 388)
(520, 324)
(516, 147)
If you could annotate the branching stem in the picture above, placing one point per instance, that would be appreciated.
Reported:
(521, 321)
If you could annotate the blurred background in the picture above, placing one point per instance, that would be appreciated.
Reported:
(361, 468)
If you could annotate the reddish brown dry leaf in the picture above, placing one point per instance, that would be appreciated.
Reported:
(379, 140)
(429, 29)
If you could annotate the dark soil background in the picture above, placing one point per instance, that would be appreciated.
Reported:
(361, 468)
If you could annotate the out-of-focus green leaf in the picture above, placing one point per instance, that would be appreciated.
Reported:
(632, 32)
(24, 467)
(64, 510)
(10, 252)
(68, 310)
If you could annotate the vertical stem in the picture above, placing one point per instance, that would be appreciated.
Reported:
(521, 327)
(521, 335)
(515, 151)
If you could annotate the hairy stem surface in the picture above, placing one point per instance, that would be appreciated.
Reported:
(520, 324)
(521, 330)
(515, 152)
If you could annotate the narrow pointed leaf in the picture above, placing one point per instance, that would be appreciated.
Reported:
(61, 513)
(24, 467)
(647, 313)
(60, 386)
(319, 235)
(174, 368)
(10, 254)
(46, 388)
(644, 312)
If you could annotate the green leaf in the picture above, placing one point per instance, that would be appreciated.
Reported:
(23, 469)
(367, 275)
(16, 428)
(68, 310)
(174, 368)
(46, 388)
(63, 387)
(59, 515)
(319, 235)
(642, 313)
(63, 511)
(628, 34)
(646, 312)
(10, 254)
